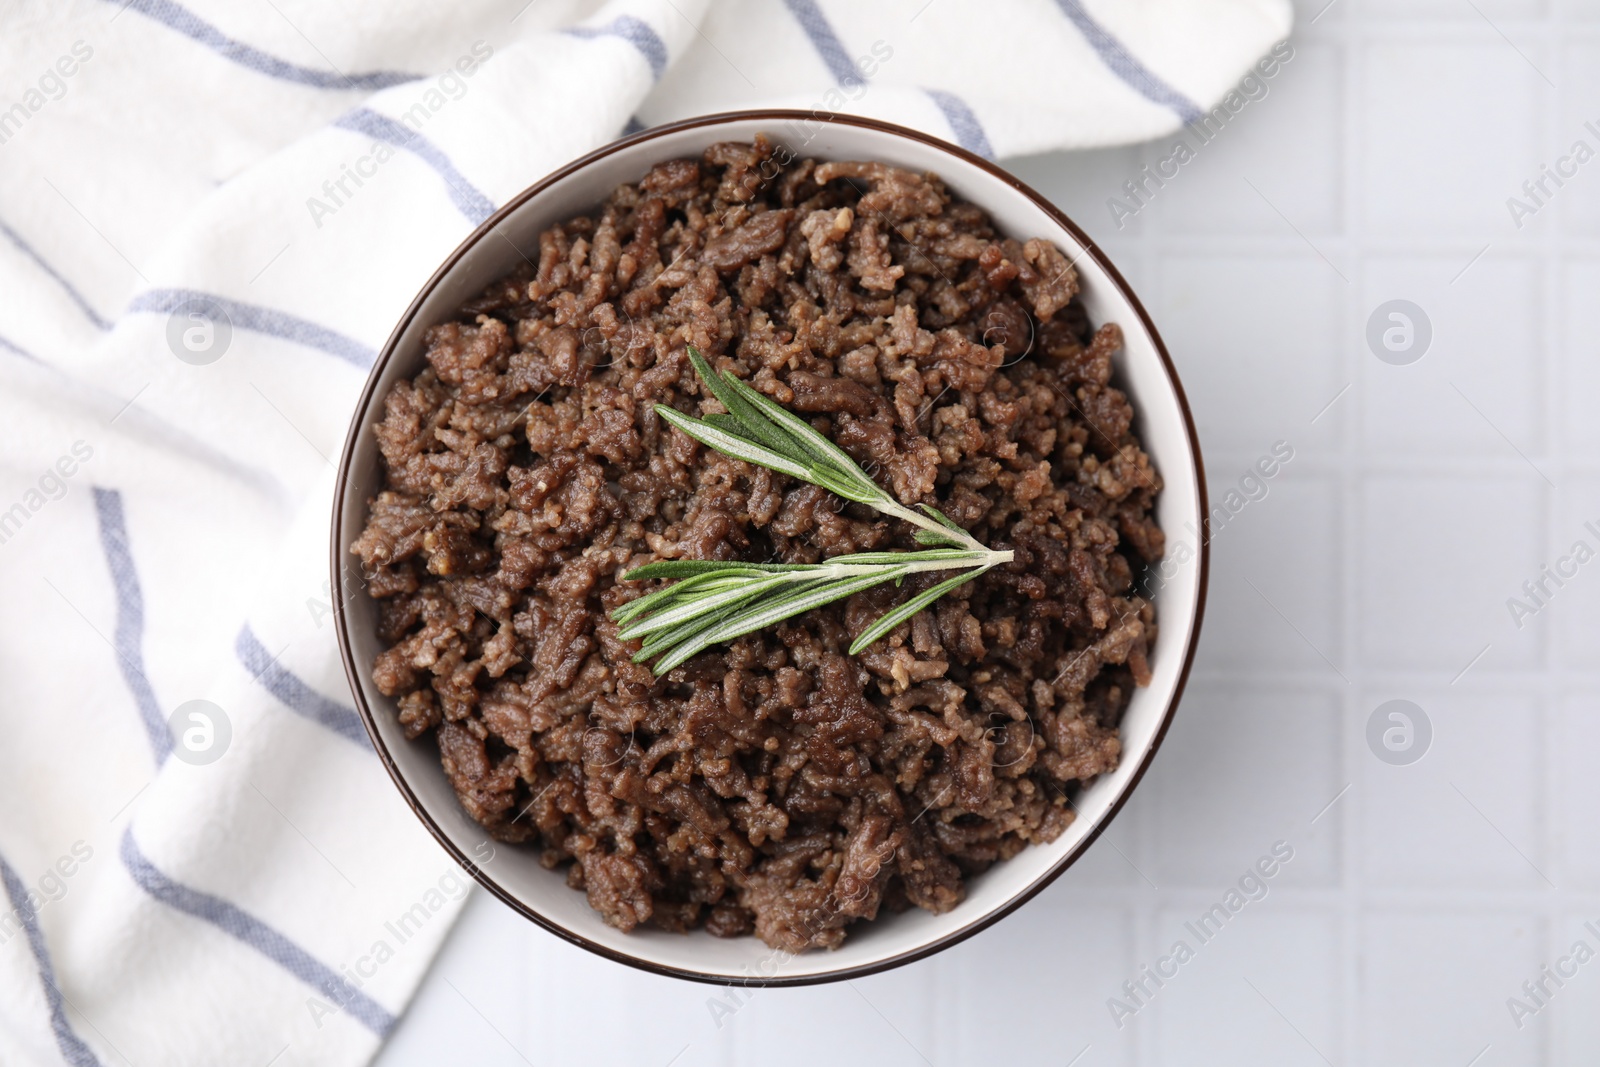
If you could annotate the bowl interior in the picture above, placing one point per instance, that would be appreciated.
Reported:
(1163, 424)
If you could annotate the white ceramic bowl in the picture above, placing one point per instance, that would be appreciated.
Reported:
(1164, 424)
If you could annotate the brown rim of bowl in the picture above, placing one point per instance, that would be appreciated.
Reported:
(353, 674)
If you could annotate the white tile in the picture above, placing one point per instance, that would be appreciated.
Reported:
(1423, 171)
(1274, 596)
(1478, 389)
(635, 1018)
(1569, 1018)
(1286, 142)
(1569, 612)
(484, 958)
(1573, 207)
(1579, 361)
(1033, 989)
(1470, 812)
(902, 1002)
(886, 1019)
(1431, 9)
(1578, 10)
(1437, 560)
(1255, 340)
(1242, 767)
(1264, 989)
(1577, 731)
(1435, 983)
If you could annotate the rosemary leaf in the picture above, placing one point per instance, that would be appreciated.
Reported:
(735, 595)
(730, 445)
(813, 442)
(760, 616)
(685, 568)
(755, 428)
(900, 614)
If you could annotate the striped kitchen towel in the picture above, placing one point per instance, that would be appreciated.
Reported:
(202, 860)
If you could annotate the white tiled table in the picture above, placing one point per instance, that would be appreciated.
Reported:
(1378, 567)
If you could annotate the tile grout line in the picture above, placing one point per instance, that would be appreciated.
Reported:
(1351, 421)
(1551, 272)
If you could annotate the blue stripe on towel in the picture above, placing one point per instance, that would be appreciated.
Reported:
(129, 637)
(825, 40)
(262, 320)
(73, 1050)
(1124, 65)
(18, 351)
(71, 290)
(240, 924)
(295, 694)
(471, 203)
(968, 130)
(193, 26)
(636, 32)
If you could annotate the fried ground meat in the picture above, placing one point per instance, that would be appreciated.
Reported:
(777, 785)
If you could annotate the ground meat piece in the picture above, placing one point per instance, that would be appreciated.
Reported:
(1049, 280)
(618, 888)
(761, 234)
(774, 786)
(824, 229)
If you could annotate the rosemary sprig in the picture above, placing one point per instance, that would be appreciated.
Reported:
(714, 601)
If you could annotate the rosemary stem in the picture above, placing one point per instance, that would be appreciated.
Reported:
(982, 557)
(899, 510)
(892, 506)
